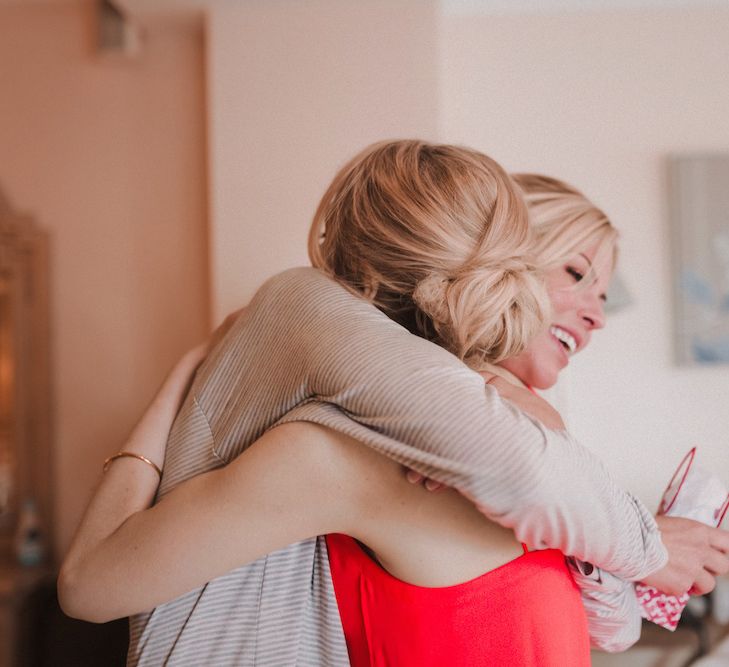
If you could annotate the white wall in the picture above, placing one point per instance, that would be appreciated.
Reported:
(601, 98)
(294, 90)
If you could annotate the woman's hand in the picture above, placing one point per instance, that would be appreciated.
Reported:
(414, 477)
(696, 555)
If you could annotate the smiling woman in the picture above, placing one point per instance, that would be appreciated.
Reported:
(576, 247)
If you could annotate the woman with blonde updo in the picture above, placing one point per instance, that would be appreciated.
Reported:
(437, 238)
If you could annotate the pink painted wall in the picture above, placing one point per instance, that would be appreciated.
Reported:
(109, 156)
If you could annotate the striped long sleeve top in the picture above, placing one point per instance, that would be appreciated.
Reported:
(308, 349)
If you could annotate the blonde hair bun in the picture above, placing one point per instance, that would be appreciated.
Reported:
(489, 311)
(437, 237)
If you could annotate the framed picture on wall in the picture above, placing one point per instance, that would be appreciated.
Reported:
(699, 191)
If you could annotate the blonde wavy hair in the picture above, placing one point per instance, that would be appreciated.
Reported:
(438, 238)
(565, 222)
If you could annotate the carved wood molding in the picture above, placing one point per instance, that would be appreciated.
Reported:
(25, 405)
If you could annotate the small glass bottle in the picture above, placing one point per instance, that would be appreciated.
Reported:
(29, 546)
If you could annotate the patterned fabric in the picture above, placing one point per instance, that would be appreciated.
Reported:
(308, 349)
(660, 608)
(613, 614)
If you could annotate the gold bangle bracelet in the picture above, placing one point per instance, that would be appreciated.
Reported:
(119, 455)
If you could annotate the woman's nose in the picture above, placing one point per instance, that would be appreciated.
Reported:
(593, 311)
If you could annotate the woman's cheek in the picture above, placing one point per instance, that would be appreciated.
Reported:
(563, 301)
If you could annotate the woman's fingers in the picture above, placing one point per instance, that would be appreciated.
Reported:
(717, 562)
(415, 477)
(719, 539)
(193, 357)
(696, 554)
(705, 583)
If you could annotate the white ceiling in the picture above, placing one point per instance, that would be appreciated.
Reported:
(556, 6)
(153, 7)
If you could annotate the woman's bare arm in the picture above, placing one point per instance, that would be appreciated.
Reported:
(281, 490)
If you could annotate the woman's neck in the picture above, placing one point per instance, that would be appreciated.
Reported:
(503, 373)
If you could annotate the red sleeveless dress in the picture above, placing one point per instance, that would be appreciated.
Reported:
(526, 613)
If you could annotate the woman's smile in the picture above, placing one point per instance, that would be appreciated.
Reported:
(564, 338)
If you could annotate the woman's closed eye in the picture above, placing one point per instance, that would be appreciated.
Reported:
(575, 273)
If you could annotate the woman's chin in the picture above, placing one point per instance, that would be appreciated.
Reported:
(544, 380)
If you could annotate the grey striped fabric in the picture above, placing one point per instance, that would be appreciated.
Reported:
(613, 613)
(307, 349)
